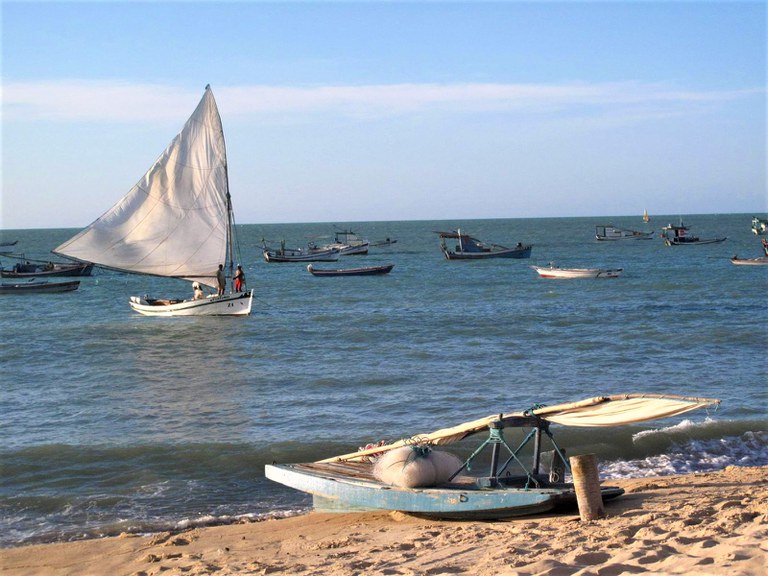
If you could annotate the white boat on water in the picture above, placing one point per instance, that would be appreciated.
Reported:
(553, 271)
(347, 242)
(760, 261)
(310, 254)
(176, 222)
(610, 232)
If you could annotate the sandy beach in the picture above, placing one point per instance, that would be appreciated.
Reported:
(707, 523)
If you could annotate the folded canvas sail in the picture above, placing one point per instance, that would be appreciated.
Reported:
(599, 411)
(175, 221)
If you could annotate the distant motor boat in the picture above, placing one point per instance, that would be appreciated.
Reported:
(677, 235)
(310, 254)
(469, 248)
(29, 269)
(759, 225)
(611, 232)
(553, 271)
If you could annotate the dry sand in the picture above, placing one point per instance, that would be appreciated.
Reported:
(712, 523)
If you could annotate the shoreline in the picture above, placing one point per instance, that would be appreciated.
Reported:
(702, 523)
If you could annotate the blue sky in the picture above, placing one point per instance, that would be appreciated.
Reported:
(356, 111)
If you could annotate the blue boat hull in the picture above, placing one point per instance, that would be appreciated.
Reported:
(340, 493)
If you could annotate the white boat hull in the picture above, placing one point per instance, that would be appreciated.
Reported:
(238, 304)
(570, 273)
(762, 261)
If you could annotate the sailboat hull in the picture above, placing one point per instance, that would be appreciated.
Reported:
(238, 304)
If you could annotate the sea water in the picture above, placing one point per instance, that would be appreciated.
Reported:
(115, 422)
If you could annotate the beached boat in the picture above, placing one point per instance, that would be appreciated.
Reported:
(33, 269)
(39, 287)
(553, 271)
(611, 232)
(469, 248)
(677, 235)
(310, 254)
(759, 225)
(176, 222)
(412, 476)
(365, 271)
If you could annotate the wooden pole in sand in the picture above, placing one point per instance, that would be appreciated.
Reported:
(586, 481)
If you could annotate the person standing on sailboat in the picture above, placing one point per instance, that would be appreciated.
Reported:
(239, 279)
(221, 280)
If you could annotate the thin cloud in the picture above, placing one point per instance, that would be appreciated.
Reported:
(72, 101)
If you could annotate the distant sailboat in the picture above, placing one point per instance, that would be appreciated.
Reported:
(646, 218)
(176, 222)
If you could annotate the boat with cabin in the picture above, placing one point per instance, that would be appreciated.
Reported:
(677, 235)
(347, 242)
(469, 248)
(416, 475)
(30, 268)
(607, 232)
(176, 222)
(552, 271)
(364, 271)
(310, 254)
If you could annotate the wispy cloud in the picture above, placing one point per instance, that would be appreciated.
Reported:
(69, 101)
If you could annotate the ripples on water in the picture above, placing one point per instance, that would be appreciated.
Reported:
(113, 421)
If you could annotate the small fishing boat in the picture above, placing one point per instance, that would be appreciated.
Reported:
(348, 243)
(760, 261)
(30, 269)
(611, 232)
(553, 271)
(469, 248)
(677, 235)
(39, 287)
(6, 247)
(383, 243)
(759, 225)
(310, 254)
(412, 476)
(176, 222)
(366, 271)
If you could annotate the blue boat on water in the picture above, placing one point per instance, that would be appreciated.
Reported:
(354, 482)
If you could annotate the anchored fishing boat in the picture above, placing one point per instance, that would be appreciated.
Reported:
(38, 287)
(677, 235)
(310, 254)
(412, 476)
(347, 242)
(759, 225)
(176, 222)
(27, 268)
(553, 271)
(469, 248)
(605, 232)
(364, 271)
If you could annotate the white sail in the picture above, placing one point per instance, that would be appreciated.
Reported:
(175, 221)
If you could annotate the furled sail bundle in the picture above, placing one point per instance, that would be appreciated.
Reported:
(600, 411)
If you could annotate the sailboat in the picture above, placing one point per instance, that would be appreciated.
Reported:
(176, 222)
(646, 218)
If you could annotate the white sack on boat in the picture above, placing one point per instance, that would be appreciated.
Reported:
(415, 467)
